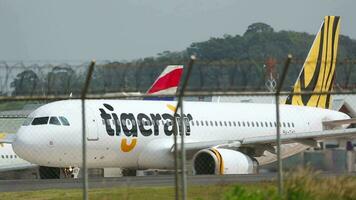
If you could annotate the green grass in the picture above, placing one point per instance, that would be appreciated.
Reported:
(302, 184)
(127, 193)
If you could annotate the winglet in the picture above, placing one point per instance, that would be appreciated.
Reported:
(318, 71)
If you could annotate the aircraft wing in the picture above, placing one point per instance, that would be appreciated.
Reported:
(308, 138)
(22, 166)
(7, 138)
(296, 137)
(196, 146)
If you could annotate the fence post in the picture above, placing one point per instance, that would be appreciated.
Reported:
(180, 105)
(279, 159)
(84, 152)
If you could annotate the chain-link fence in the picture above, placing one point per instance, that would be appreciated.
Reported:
(89, 126)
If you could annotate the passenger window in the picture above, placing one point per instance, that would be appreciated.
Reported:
(257, 124)
(239, 123)
(270, 124)
(197, 122)
(27, 121)
(211, 123)
(221, 123)
(216, 123)
(192, 123)
(206, 123)
(284, 124)
(292, 124)
(11, 156)
(225, 123)
(288, 125)
(7, 156)
(54, 120)
(248, 124)
(64, 121)
(15, 156)
(2, 156)
(243, 124)
(229, 123)
(253, 124)
(40, 120)
(234, 123)
(202, 123)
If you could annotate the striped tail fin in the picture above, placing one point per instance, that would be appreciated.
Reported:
(166, 83)
(318, 71)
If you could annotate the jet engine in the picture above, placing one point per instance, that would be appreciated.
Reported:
(223, 161)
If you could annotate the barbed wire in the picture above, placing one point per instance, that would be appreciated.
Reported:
(62, 79)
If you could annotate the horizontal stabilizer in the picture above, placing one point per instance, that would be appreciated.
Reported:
(335, 123)
(7, 138)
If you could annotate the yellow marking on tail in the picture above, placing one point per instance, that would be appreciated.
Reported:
(318, 71)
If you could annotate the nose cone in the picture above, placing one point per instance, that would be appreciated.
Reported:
(26, 145)
(39, 145)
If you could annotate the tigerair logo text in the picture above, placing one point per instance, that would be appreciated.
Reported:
(145, 124)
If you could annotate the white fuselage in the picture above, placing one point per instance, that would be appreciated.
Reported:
(125, 133)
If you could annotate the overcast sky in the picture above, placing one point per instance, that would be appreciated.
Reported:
(129, 29)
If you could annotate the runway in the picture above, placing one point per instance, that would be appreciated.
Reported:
(137, 181)
(147, 181)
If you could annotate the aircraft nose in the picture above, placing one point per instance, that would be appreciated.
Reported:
(25, 145)
(20, 144)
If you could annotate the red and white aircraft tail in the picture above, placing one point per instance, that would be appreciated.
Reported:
(167, 82)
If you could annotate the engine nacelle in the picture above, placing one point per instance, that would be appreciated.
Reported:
(223, 161)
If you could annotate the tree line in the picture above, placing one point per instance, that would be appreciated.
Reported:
(223, 63)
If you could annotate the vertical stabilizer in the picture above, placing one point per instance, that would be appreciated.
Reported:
(318, 71)
(166, 83)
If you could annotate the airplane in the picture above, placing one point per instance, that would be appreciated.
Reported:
(220, 138)
(10, 161)
(166, 83)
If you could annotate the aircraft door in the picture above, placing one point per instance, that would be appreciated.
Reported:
(91, 125)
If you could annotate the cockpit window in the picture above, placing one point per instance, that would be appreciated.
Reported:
(40, 120)
(27, 121)
(54, 120)
(64, 121)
